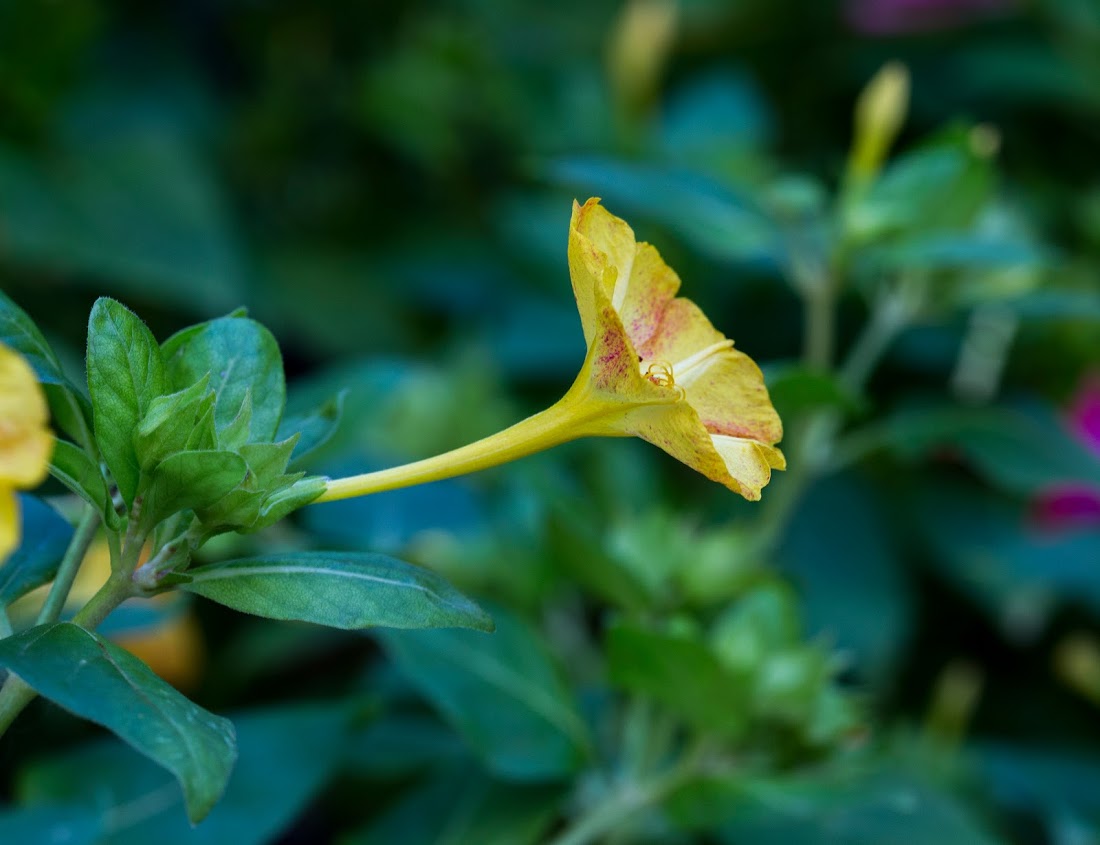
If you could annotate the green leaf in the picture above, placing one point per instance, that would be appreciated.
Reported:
(681, 673)
(72, 467)
(796, 389)
(103, 683)
(460, 807)
(242, 358)
(69, 405)
(284, 502)
(190, 480)
(314, 427)
(502, 693)
(45, 537)
(172, 422)
(286, 756)
(125, 374)
(349, 590)
(267, 461)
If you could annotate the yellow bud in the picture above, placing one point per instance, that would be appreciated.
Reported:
(638, 49)
(880, 114)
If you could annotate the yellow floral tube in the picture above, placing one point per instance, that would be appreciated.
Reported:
(25, 442)
(656, 368)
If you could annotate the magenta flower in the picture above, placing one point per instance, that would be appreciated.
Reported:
(899, 17)
(1074, 503)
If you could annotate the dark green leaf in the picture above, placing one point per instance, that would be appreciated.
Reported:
(458, 807)
(502, 693)
(69, 403)
(315, 427)
(72, 467)
(103, 683)
(242, 359)
(286, 756)
(125, 374)
(51, 823)
(190, 480)
(681, 673)
(45, 536)
(347, 590)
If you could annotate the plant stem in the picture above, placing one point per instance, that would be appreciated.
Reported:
(70, 565)
(623, 806)
(15, 694)
(820, 328)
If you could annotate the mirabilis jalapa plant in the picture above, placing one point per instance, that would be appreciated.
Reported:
(175, 443)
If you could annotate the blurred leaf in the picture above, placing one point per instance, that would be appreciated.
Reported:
(1060, 785)
(796, 389)
(1050, 304)
(763, 621)
(314, 427)
(399, 746)
(135, 207)
(501, 692)
(580, 553)
(242, 359)
(72, 467)
(713, 113)
(987, 546)
(125, 374)
(841, 556)
(681, 673)
(457, 807)
(347, 590)
(711, 218)
(1021, 449)
(45, 537)
(286, 757)
(51, 823)
(103, 683)
(830, 808)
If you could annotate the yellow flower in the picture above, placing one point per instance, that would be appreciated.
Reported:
(25, 442)
(656, 369)
(695, 396)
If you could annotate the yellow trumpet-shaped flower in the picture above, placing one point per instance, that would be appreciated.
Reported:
(656, 368)
(25, 442)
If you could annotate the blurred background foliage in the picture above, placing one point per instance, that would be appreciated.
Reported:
(900, 644)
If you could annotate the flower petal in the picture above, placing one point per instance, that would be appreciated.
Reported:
(25, 443)
(730, 397)
(604, 256)
(9, 522)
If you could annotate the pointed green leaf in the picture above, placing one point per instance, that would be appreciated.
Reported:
(314, 427)
(502, 693)
(284, 502)
(171, 422)
(267, 461)
(99, 681)
(235, 434)
(347, 590)
(190, 480)
(125, 374)
(45, 537)
(72, 467)
(241, 357)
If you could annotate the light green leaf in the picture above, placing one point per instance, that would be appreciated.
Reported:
(172, 421)
(125, 374)
(349, 590)
(72, 467)
(190, 480)
(502, 693)
(242, 358)
(99, 681)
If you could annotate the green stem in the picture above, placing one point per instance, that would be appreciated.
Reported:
(820, 329)
(70, 566)
(15, 694)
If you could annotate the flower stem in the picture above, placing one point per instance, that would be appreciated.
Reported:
(570, 418)
(70, 565)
